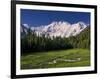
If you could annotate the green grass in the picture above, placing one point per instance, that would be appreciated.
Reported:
(63, 58)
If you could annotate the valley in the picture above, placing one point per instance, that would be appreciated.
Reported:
(57, 45)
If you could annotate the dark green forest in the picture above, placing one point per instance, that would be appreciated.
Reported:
(33, 43)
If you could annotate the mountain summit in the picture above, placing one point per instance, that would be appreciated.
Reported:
(61, 28)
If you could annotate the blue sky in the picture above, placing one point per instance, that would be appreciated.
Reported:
(45, 17)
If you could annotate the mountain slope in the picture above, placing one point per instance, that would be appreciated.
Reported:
(82, 40)
(56, 29)
(33, 43)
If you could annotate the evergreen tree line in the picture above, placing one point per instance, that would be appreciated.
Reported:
(33, 43)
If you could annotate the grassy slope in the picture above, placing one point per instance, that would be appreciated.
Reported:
(41, 60)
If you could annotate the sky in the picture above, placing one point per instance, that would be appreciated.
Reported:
(44, 17)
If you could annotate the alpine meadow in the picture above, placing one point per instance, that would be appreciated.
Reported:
(55, 39)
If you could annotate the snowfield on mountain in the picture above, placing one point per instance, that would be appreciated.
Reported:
(55, 29)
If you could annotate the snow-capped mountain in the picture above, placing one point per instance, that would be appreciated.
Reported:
(61, 28)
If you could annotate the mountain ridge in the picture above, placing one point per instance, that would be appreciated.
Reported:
(56, 29)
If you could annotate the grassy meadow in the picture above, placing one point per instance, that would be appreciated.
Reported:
(56, 59)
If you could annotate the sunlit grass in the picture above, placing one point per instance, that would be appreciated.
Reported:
(47, 59)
